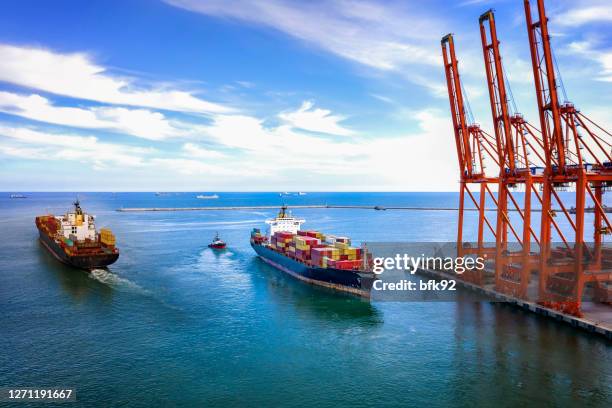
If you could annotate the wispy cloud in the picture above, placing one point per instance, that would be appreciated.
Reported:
(603, 57)
(373, 34)
(261, 156)
(382, 98)
(312, 119)
(581, 14)
(89, 151)
(138, 122)
(59, 146)
(473, 2)
(77, 75)
(198, 152)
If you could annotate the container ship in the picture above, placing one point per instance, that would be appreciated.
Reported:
(313, 257)
(73, 239)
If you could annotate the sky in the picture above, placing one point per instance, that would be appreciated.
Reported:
(265, 95)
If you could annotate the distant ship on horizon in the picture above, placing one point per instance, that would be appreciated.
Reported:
(287, 193)
(207, 197)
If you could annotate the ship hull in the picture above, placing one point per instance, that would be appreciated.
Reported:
(77, 261)
(350, 281)
(217, 246)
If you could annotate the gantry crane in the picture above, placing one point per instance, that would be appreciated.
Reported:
(577, 155)
(521, 165)
(475, 148)
(569, 152)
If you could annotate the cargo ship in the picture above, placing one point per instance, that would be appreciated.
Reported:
(313, 257)
(74, 240)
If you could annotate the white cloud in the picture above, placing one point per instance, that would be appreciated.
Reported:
(77, 75)
(143, 123)
(384, 36)
(195, 151)
(473, 2)
(382, 98)
(238, 131)
(382, 163)
(582, 14)
(276, 157)
(307, 117)
(85, 149)
(24, 152)
(189, 167)
(602, 57)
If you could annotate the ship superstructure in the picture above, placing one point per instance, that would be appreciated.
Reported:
(284, 222)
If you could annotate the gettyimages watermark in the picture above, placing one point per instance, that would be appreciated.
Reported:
(439, 271)
(412, 264)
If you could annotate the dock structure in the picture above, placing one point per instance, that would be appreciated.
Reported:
(596, 317)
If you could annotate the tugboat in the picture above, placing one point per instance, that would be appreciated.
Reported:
(217, 243)
(74, 240)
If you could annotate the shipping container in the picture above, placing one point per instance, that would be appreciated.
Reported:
(344, 264)
(107, 237)
(341, 245)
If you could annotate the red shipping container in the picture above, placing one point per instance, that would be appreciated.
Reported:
(344, 264)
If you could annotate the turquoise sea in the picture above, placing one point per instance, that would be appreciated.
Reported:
(173, 323)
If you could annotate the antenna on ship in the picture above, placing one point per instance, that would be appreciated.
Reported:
(77, 206)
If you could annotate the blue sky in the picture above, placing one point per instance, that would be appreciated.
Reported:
(268, 95)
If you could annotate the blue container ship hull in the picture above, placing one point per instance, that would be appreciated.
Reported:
(351, 281)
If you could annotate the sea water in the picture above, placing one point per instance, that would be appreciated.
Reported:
(175, 323)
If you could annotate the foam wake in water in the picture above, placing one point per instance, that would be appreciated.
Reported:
(110, 279)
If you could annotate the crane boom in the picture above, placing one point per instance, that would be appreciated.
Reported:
(455, 96)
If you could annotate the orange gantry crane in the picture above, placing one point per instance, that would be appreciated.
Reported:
(475, 148)
(577, 154)
(521, 165)
(570, 152)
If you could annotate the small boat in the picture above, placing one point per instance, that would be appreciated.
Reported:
(207, 197)
(217, 243)
(18, 196)
(301, 193)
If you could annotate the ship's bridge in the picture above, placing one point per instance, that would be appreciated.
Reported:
(78, 225)
(284, 222)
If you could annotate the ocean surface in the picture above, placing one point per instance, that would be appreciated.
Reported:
(173, 323)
